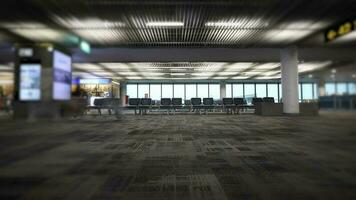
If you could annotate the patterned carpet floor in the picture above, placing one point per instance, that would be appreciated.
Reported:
(180, 157)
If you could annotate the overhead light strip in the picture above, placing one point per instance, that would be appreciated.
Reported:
(165, 24)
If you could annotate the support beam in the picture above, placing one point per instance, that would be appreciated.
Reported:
(123, 93)
(222, 89)
(289, 68)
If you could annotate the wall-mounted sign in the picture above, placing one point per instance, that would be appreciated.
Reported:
(30, 82)
(62, 76)
(25, 52)
(340, 30)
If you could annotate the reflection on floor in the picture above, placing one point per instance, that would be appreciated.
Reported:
(180, 157)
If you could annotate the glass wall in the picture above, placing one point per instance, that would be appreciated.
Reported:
(131, 90)
(155, 91)
(228, 90)
(330, 89)
(341, 88)
(261, 90)
(249, 92)
(238, 90)
(352, 88)
(178, 91)
(190, 91)
(214, 91)
(307, 91)
(203, 90)
(167, 91)
(143, 90)
(272, 89)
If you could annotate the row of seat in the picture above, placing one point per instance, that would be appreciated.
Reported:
(196, 101)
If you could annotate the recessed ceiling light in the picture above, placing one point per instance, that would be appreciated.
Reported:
(178, 74)
(223, 24)
(164, 24)
(333, 71)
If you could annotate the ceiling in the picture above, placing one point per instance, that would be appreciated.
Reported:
(180, 23)
(188, 70)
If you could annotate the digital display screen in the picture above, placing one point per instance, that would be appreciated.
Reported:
(30, 82)
(62, 76)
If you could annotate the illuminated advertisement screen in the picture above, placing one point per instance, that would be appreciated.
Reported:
(62, 76)
(30, 82)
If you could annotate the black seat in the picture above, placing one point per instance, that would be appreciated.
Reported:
(146, 101)
(208, 101)
(98, 102)
(256, 100)
(134, 101)
(227, 101)
(177, 102)
(166, 102)
(239, 101)
(228, 105)
(268, 99)
(195, 101)
(187, 103)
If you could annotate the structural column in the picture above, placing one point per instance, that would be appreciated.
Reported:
(289, 67)
(123, 93)
(222, 89)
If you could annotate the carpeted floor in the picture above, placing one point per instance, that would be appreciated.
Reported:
(180, 157)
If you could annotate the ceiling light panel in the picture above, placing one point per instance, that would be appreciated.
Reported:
(35, 31)
(312, 66)
(165, 24)
(267, 66)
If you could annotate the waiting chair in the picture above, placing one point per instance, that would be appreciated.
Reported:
(176, 104)
(268, 99)
(208, 104)
(145, 104)
(166, 104)
(228, 105)
(196, 104)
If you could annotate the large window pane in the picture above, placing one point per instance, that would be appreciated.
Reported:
(330, 89)
(249, 92)
(143, 90)
(203, 91)
(131, 90)
(273, 91)
(190, 91)
(352, 88)
(214, 91)
(341, 88)
(155, 90)
(167, 91)
(261, 90)
(228, 90)
(238, 90)
(307, 91)
(179, 91)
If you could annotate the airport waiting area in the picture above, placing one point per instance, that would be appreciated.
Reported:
(177, 100)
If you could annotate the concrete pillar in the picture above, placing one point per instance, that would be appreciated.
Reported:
(123, 93)
(321, 88)
(289, 67)
(222, 90)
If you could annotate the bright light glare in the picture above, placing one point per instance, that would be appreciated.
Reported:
(164, 24)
